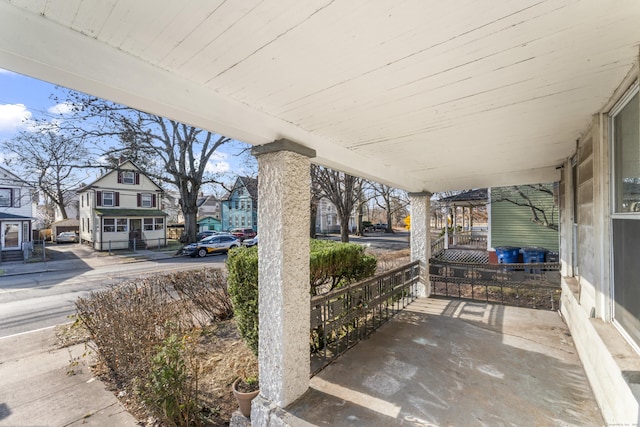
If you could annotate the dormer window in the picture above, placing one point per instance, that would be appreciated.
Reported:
(128, 177)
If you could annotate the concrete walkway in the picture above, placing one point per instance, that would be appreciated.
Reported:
(44, 386)
(41, 385)
(454, 363)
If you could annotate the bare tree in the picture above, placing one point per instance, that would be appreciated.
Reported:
(316, 195)
(168, 151)
(344, 191)
(50, 161)
(390, 200)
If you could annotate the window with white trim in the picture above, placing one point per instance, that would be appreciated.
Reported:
(625, 137)
(147, 224)
(128, 177)
(107, 198)
(159, 223)
(5, 197)
(109, 225)
(146, 200)
(121, 225)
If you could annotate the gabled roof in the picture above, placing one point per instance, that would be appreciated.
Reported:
(121, 167)
(206, 201)
(478, 195)
(10, 175)
(251, 184)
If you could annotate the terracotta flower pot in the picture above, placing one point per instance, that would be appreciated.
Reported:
(244, 399)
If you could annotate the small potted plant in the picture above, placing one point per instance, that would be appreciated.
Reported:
(245, 388)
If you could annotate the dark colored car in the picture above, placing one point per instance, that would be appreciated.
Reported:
(243, 233)
(212, 244)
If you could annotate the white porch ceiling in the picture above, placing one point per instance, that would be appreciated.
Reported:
(422, 95)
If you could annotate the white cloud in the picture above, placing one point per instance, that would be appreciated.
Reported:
(62, 108)
(217, 166)
(14, 117)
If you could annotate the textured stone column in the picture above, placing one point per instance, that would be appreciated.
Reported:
(283, 254)
(420, 238)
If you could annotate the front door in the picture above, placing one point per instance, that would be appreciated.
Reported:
(10, 237)
(135, 229)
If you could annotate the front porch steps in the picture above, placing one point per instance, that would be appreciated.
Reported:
(11, 256)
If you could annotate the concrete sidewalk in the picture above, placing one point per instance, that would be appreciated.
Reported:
(41, 385)
(86, 261)
(44, 386)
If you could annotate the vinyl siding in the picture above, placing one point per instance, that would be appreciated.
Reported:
(512, 225)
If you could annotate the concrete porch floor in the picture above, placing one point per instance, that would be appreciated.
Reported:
(444, 362)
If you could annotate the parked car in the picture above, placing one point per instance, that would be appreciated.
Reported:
(67, 237)
(251, 242)
(212, 244)
(243, 233)
(380, 227)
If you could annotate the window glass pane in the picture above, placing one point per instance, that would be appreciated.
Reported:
(159, 223)
(146, 200)
(626, 270)
(121, 225)
(148, 224)
(5, 197)
(128, 177)
(626, 132)
(109, 225)
(107, 198)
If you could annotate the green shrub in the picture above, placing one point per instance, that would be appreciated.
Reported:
(242, 282)
(332, 264)
(335, 264)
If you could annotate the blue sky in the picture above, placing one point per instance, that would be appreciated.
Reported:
(24, 98)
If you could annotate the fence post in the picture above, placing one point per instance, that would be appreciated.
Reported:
(44, 249)
(134, 244)
(109, 247)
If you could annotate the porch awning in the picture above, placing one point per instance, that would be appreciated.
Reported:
(130, 212)
(8, 216)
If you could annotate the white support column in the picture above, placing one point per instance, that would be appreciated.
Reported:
(283, 259)
(420, 237)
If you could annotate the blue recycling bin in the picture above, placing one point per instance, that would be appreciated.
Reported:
(507, 254)
(532, 255)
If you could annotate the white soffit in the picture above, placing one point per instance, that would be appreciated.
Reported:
(422, 95)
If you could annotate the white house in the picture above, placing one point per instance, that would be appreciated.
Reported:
(16, 214)
(122, 209)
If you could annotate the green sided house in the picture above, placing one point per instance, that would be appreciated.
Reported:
(524, 216)
(122, 209)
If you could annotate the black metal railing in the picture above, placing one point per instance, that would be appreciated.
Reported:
(343, 317)
(534, 285)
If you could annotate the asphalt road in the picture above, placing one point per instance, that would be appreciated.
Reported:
(42, 300)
